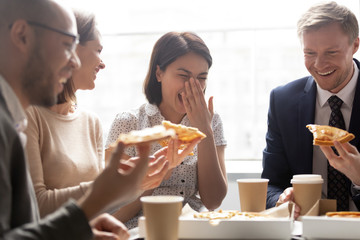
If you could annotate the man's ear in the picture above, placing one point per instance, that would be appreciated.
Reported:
(356, 45)
(21, 35)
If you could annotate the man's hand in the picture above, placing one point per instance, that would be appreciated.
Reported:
(119, 183)
(106, 227)
(348, 161)
(288, 195)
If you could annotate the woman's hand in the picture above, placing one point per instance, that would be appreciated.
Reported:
(158, 168)
(174, 155)
(199, 113)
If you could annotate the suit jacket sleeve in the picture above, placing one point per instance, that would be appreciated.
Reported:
(18, 208)
(68, 222)
(274, 160)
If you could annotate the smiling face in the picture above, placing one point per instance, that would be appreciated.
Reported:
(329, 56)
(173, 80)
(52, 59)
(91, 64)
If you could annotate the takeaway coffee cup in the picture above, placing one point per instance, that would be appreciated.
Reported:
(162, 216)
(252, 193)
(307, 190)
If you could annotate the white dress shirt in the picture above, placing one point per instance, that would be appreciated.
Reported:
(20, 122)
(322, 116)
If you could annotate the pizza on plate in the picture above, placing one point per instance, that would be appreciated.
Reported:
(343, 214)
(155, 133)
(326, 135)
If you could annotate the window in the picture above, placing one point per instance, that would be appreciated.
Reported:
(254, 46)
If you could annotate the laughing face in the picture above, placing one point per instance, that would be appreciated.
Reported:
(52, 59)
(43, 79)
(173, 80)
(91, 64)
(329, 56)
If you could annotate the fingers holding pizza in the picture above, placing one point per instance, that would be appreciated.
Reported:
(183, 145)
(178, 141)
(347, 162)
(348, 159)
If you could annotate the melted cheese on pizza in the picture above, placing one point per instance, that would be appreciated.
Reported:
(326, 135)
(184, 133)
(155, 133)
(343, 214)
(230, 214)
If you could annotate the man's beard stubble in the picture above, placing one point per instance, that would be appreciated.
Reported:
(38, 81)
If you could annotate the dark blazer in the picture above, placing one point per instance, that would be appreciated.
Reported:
(289, 148)
(18, 206)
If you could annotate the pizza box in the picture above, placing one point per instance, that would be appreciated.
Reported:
(278, 227)
(321, 227)
(318, 226)
(191, 228)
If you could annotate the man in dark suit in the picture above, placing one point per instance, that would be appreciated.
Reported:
(37, 54)
(329, 37)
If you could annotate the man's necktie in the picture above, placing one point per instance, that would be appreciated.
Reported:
(338, 183)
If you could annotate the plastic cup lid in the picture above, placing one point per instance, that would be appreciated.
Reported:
(307, 178)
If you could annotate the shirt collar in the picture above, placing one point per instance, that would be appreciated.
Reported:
(346, 94)
(152, 109)
(13, 104)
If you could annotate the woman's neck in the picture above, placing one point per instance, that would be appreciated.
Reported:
(170, 115)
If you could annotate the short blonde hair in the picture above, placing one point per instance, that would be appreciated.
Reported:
(326, 13)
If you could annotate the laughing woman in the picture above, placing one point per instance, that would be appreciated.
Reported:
(65, 143)
(175, 87)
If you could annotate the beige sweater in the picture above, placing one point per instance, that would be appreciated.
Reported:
(65, 154)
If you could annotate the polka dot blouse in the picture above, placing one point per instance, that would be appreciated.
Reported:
(183, 181)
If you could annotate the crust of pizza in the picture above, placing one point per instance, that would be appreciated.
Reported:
(145, 135)
(344, 214)
(326, 135)
(230, 214)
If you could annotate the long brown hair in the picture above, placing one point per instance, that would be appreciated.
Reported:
(167, 49)
(86, 26)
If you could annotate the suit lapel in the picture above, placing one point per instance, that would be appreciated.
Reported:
(306, 113)
(355, 113)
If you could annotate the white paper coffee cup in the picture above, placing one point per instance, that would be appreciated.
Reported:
(307, 190)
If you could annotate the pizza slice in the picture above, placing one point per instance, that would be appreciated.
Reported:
(326, 135)
(220, 214)
(155, 133)
(185, 134)
(343, 214)
(230, 214)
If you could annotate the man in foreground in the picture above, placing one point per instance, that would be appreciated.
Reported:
(37, 54)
